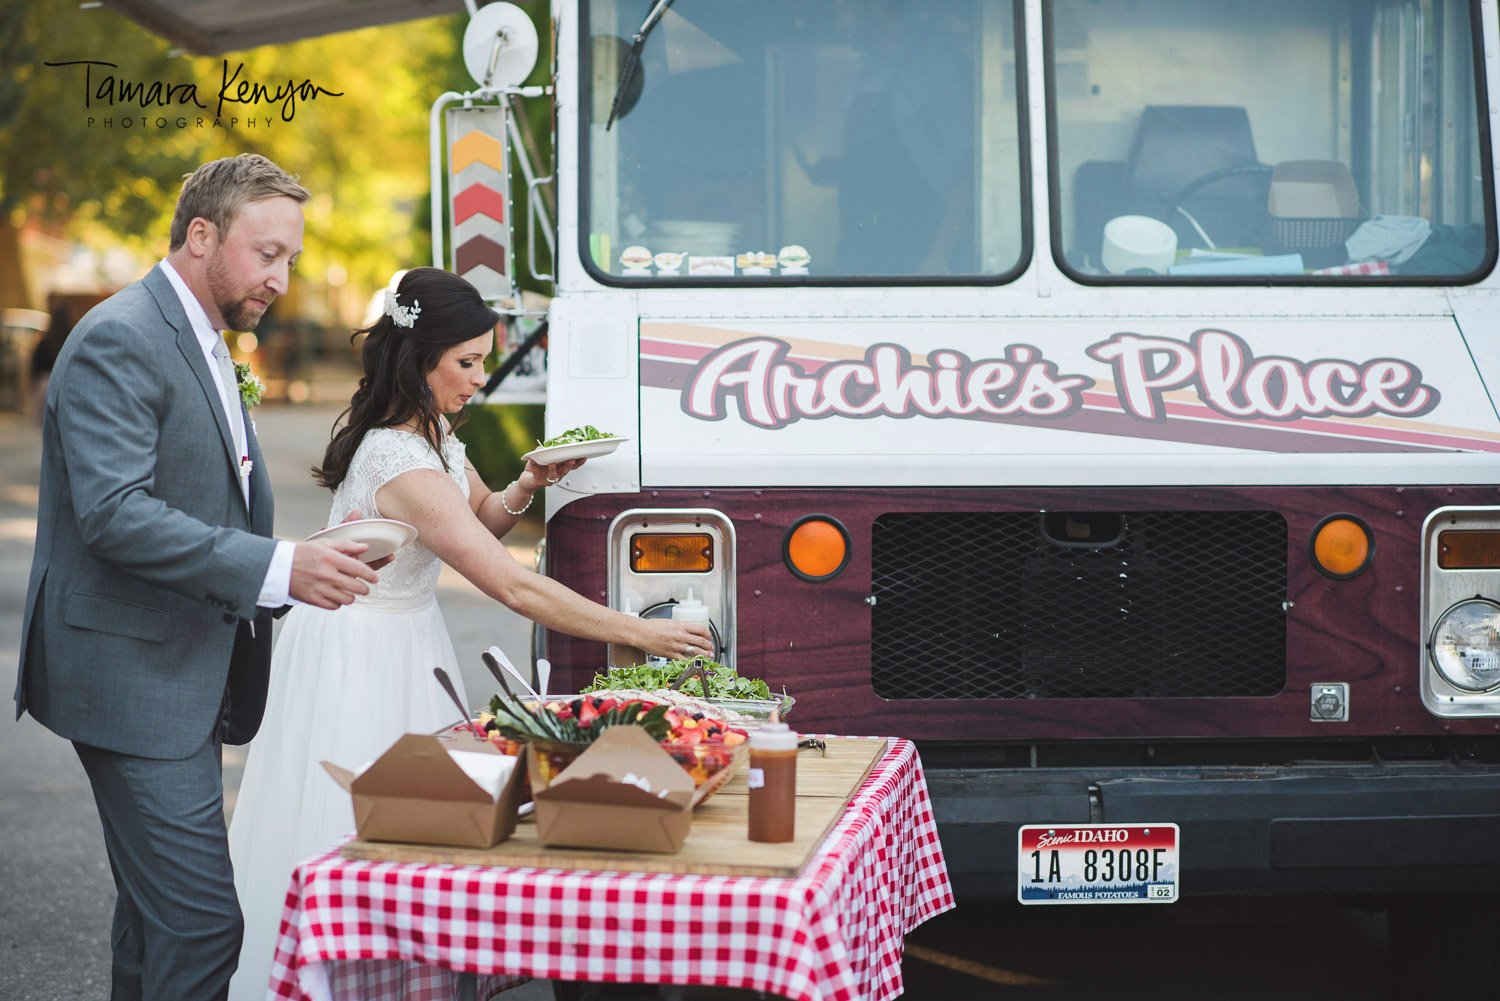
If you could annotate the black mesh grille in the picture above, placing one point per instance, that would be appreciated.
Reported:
(1184, 604)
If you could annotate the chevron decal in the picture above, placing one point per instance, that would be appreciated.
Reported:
(479, 250)
(477, 147)
(478, 199)
(480, 238)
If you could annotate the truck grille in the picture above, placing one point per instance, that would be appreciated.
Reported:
(1184, 604)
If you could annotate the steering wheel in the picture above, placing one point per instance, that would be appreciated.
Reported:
(1174, 199)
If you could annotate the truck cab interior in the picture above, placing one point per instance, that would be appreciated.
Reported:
(1289, 141)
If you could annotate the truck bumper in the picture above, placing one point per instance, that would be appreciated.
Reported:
(1315, 829)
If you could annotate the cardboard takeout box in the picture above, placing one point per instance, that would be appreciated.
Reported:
(1313, 189)
(623, 792)
(416, 792)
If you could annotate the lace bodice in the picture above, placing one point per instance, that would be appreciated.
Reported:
(383, 455)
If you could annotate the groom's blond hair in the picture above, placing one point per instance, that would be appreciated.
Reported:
(218, 190)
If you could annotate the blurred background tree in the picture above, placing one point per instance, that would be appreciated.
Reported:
(363, 155)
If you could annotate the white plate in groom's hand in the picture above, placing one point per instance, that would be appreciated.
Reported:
(383, 535)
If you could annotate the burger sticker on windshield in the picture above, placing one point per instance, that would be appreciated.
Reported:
(636, 261)
(793, 259)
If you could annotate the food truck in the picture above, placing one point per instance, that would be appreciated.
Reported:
(1101, 393)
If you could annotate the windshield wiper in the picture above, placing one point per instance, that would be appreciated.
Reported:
(635, 56)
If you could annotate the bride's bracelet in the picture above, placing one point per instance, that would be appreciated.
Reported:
(529, 499)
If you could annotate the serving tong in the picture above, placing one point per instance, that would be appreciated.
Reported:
(695, 669)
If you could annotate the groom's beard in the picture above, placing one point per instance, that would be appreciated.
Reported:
(239, 314)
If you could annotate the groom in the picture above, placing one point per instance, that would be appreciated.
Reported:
(147, 633)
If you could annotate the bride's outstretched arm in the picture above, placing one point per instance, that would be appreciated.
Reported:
(498, 510)
(447, 525)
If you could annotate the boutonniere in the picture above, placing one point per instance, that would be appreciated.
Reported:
(250, 385)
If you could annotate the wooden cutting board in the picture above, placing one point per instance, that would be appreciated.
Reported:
(717, 845)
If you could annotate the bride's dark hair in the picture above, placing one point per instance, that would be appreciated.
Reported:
(396, 360)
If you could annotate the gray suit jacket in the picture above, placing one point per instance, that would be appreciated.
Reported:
(147, 563)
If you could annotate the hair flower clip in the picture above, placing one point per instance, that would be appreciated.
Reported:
(402, 316)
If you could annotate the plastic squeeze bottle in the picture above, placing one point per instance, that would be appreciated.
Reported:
(773, 783)
(690, 609)
(621, 655)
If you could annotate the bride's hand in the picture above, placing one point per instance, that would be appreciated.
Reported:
(535, 476)
(675, 640)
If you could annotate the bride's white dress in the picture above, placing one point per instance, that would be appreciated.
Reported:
(345, 684)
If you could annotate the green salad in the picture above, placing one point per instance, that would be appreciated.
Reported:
(723, 681)
(586, 433)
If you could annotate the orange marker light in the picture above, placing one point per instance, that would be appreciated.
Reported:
(1469, 550)
(816, 548)
(671, 553)
(1342, 546)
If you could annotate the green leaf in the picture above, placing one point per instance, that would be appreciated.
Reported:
(586, 433)
(724, 681)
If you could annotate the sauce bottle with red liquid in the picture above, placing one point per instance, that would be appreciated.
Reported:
(773, 783)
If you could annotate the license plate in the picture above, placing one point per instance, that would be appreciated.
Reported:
(1097, 864)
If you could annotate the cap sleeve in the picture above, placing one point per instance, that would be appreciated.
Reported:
(392, 453)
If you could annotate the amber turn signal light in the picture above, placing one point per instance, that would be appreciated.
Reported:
(1342, 546)
(671, 553)
(816, 547)
(1469, 550)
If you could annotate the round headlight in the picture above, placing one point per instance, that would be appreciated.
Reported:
(1465, 645)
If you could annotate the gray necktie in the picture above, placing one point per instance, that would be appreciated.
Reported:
(232, 385)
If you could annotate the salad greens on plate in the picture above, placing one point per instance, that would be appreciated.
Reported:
(572, 437)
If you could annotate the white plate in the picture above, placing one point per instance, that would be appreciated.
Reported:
(383, 535)
(576, 450)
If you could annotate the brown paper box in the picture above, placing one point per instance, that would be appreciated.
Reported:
(415, 792)
(1313, 189)
(588, 806)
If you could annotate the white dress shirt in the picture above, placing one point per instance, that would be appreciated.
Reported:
(276, 589)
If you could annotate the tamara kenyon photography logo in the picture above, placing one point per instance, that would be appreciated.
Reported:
(104, 89)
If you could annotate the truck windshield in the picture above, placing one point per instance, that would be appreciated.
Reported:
(803, 142)
(1282, 140)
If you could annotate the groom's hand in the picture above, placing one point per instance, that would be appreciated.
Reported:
(357, 515)
(328, 573)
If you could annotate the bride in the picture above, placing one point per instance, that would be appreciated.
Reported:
(346, 684)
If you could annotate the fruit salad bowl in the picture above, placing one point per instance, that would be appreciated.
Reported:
(557, 730)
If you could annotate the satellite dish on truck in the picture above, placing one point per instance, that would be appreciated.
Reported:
(500, 45)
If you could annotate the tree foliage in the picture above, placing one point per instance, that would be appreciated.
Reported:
(362, 153)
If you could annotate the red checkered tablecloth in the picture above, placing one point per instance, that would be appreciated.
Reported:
(381, 930)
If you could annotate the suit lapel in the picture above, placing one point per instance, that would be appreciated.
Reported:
(261, 504)
(187, 342)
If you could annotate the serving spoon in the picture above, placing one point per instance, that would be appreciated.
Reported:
(463, 710)
(495, 655)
